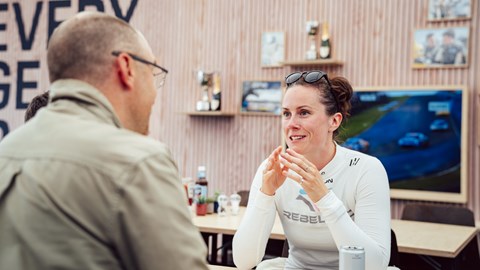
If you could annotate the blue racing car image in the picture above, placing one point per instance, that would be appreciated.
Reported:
(413, 139)
(357, 144)
(439, 125)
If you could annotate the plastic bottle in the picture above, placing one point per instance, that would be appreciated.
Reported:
(235, 203)
(201, 185)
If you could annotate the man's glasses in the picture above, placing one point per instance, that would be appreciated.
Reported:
(311, 77)
(159, 73)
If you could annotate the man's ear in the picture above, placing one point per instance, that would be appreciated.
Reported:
(125, 72)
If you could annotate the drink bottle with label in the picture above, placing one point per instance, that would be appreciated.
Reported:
(201, 185)
(325, 45)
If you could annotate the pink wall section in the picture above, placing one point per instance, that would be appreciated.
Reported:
(372, 37)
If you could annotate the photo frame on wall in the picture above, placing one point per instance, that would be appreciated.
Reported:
(440, 10)
(273, 49)
(441, 47)
(261, 97)
(420, 136)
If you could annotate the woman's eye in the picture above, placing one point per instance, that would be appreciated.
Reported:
(304, 113)
(286, 114)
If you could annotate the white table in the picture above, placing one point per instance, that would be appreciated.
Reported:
(414, 237)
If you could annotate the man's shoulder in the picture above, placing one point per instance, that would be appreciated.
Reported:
(83, 142)
(124, 146)
(136, 144)
(99, 137)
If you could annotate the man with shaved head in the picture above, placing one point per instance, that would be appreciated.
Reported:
(81, 186)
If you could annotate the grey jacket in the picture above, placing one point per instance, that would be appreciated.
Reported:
(78, 191)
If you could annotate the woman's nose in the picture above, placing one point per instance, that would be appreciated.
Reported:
(292, 123)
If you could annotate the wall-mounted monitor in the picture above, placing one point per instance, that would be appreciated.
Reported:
(420, 136)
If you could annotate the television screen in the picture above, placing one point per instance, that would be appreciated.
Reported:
(419, 134)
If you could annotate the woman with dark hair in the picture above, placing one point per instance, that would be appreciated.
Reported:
(36, 104)
(326, 196)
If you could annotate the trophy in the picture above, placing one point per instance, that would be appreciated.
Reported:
(312, 30)
(205, 81)
(215, 103)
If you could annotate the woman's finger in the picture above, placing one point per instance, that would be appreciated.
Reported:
(294, 177)
(296, 160)
(301, 160)
(294, 167)
(303, 164)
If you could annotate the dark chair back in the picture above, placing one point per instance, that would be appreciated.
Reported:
(394, 258)
(244, 197)
(447, 214)
(286, 249)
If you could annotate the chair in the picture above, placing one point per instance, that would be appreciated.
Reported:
(273, 249)
(394, 258)
(244, 197)
(446, 214)
(226, 248)
(286, 249)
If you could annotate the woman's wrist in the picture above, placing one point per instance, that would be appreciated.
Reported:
(267, 192)
(319, 196)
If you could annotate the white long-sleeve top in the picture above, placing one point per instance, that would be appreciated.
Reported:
(356, 211)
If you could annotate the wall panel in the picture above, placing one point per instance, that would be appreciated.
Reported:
(373, 38)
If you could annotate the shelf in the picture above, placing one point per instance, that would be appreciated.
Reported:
(258, 114)
(319, 62)
(210, 113)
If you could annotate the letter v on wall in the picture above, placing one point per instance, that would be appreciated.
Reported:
(118, 11)
(27, 41)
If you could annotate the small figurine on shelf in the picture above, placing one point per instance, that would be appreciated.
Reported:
(312, 30)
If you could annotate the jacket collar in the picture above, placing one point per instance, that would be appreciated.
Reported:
(75, 96)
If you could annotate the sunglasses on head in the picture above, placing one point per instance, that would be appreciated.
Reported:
(308, 77)
(311, 77)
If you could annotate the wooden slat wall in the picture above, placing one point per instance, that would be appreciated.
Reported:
(372, 37)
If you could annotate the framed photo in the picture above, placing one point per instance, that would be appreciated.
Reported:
(420, 136)
(261, 97)
(449, 10)
(441, 47)
(273, 49)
